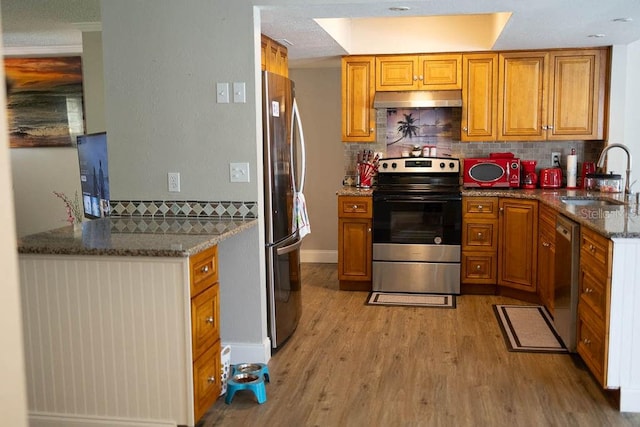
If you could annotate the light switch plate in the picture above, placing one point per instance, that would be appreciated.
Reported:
(239, 172)
(222, 93)
(239, 92)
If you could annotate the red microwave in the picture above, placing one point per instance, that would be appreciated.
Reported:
(491, 172)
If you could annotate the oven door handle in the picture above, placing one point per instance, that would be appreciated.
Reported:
(415, 199)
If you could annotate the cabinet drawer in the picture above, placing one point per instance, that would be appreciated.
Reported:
(547, 218)
(480, 207)
(592, 292)
(591, 344)
(205, 320)
(206, 380)
(479, 268)
(203, 270)
(595, 251)
(355, 207)
(479, 235)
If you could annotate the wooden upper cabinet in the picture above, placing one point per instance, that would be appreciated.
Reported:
(555, 95)
(577, 89)
(522, 98)
(274, 56)
(479, 97)
(418, 72)
(440, 72)
(358, 90)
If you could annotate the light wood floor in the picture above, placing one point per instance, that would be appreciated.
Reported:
(349, 364)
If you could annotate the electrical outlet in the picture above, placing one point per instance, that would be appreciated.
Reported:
(173, 182)
(555, 159)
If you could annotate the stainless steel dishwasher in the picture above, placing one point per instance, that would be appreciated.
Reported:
(567, 265)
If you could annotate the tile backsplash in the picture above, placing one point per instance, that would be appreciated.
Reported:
(539, 151)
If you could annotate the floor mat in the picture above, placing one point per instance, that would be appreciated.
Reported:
(528, 328)
(413, 300)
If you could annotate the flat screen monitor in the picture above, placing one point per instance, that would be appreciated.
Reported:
(94, 174)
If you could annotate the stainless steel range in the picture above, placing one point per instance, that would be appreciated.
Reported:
(417, 225)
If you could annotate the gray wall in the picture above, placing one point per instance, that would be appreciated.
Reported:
(162, 60)
(319, 98)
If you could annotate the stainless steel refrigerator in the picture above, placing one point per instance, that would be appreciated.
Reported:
(284, 170)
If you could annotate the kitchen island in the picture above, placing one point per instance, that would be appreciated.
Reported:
(110, 319)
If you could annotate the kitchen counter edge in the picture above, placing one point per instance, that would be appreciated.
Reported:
(99, 238)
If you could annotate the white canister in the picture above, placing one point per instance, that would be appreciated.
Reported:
(433, 151)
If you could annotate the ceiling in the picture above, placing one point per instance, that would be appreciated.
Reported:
(52, 24)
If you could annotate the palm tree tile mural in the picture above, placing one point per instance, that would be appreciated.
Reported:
(408, 129)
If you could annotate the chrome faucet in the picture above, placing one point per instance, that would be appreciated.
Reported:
(626, 150)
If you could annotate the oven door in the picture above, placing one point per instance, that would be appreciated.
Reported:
(417, 219)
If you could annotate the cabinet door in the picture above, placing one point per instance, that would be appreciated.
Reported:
(358, 90)
(440, 72)
(576, 101)
(517, 256)
(522, 100)
(206, 380)
(354, 249)
(205, 320)
(398, 72)
(480, 97)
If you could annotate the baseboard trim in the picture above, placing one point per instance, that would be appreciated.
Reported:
(319, 256)
(40, 419)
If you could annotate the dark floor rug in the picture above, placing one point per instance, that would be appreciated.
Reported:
(413, 300)
(528, 328)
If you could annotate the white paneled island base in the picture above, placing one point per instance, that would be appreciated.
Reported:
(107, 340)
(624, 324)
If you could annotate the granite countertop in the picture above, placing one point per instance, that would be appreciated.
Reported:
(612, 221)
(348, 190)
(135, 236)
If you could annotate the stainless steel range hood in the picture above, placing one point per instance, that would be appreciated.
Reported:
(418, 99)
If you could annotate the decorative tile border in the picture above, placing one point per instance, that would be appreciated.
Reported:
(183, 209)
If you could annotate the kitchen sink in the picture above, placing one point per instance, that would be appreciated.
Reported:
(581, 201)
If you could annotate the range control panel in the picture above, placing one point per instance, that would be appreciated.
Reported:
(419, 165)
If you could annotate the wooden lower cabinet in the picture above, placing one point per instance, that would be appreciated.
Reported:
(594, 302)
(518, 244)
(355, 242)
(205, 329)
(479, 241)
(546, 256)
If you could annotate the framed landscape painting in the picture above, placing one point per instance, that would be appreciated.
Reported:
(44, 101)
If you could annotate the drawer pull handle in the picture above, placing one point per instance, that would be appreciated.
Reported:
(588, 290)
(592, 248)
(211, 379)
(209, 320)
(478, 268)
(354, 207)
(586, 341)
(480, 207)
(479, 235)
(546, 244)
(205, 269)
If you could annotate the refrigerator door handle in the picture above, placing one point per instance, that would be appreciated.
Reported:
(295, 119)
(290, 248)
